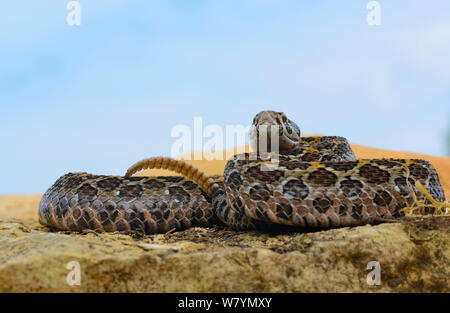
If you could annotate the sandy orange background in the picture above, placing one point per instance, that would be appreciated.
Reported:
(25, 206)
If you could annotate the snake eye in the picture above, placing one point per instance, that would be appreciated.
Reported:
(288, 129)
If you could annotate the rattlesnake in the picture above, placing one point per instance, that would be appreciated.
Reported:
(312, 182)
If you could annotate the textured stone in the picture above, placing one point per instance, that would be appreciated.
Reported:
(414, 257)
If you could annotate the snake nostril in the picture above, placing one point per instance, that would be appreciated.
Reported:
(279, 120)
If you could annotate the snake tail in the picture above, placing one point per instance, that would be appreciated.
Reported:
(179, 166)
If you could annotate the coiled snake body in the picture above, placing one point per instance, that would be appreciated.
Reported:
(313, 182)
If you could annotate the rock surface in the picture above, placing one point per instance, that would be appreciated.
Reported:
(413, 257)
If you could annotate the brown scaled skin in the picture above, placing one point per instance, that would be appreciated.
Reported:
(316, 183)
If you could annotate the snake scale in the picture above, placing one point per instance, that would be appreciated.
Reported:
(312, 182)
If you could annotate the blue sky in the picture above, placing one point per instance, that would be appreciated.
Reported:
(100, 96)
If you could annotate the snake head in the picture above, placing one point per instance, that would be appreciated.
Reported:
(268, 124)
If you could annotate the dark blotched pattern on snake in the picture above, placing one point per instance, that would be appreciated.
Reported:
(314, 182)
